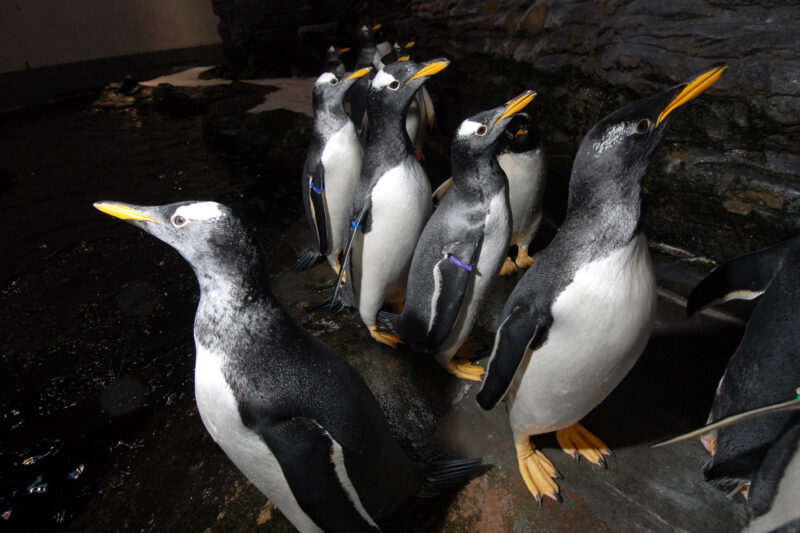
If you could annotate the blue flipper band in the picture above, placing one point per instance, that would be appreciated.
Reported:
(353, 223)
(459, 263)
(315, 189)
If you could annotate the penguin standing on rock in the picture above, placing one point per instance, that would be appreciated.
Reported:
(580, 317)
(462, 246)
(289, 412)
(392, 201)
(521, 156)
(764, 370)
(331, 170)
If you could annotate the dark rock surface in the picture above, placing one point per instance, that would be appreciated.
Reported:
(725, 181)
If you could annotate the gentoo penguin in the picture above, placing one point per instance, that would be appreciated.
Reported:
(392, 201)
(521, 156)
(332, 167)
(580, 317)
(289, 412)
(764, 370)
(462, 246)
(368, 56)
(333, 61)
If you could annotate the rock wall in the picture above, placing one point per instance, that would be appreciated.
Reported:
(725, 181)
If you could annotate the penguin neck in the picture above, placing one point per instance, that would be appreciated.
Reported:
(329, 117)
(388, 129)
(476, 173)
(611, 207)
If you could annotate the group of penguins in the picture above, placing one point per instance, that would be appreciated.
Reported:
(301, 423)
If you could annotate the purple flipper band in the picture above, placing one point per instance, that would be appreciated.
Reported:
(315, 189)
(455, 260)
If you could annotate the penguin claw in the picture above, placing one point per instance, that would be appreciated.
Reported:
(577, 441)
(508, 268)
(538, 473)
(388, 339)
(464, 369)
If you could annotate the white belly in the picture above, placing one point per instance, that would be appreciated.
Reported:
(341, 159)
(601, 324)
(493, 251)
(401, 204)
(525, 173)
(244, 448)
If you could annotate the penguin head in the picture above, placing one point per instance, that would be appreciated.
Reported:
(395, 84)
(622, 143)
(365, 36)
(207, 234)
(480, 133)
(520, 135)
(330, 88)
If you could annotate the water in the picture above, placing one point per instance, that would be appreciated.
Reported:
(82, 293)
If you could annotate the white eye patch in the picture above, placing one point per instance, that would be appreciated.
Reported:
(382, 79)
(325, 78)
(199, 211)
(468, 127)
(611, 138)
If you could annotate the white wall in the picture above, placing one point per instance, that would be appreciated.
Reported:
(50, 32)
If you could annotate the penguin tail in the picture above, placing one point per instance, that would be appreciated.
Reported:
(330, 304)
(308, 259)
(384, 320)
(446, 475)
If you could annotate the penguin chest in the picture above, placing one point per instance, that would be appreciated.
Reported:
(601, 323)
(220, 414)
(400, 206)
(525, 174)
(496, 234)
(341, 159)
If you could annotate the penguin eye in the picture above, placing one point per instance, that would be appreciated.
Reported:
(481, 130)
(394, 85)
(333, 81)
(643, 126)
(178, 221)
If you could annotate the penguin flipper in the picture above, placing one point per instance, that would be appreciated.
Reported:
(451, 276)
(427, 111)
(358, 223)
(441, 190)
(313, 465)
(518, 332)
(315, 192)
(743, 278)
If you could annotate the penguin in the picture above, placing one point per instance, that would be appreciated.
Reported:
(764, 369)
(521, 155)
(462, 246)
(421, 114)
(288, 411)
(392, 201)
(368, 56)
(581, 315)
(333, 61)
(331, 170)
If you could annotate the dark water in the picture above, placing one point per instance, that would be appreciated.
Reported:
(81, 293)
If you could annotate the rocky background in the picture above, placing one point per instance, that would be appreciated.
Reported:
(725, 181)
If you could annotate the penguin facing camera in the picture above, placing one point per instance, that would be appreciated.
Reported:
(392, 202)
(331, 170)
(288, 411)
(462, 246)
(581, 315)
